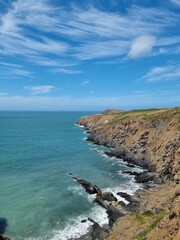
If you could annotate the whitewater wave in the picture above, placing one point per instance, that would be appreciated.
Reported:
(78, 228)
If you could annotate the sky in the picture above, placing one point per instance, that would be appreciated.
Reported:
(89, 55)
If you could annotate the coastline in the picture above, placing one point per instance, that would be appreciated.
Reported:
(156, 183)
(155, 202)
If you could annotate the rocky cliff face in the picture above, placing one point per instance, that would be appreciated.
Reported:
(160, 218)
(149, 138)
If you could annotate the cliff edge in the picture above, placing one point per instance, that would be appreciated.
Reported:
(149, 138)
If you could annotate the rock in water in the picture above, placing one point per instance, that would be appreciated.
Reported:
(112, 212)
(108, 196)
(89, 187)
(105, 199)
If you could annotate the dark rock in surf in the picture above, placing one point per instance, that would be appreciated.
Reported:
(98, 232)
(83, 221)
(112, 212)
(130, 173)
(103, 199)
(108, 196)
(126, 196)
(133, 205)
(89, 187)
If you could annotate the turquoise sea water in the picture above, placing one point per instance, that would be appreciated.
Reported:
(37, 197)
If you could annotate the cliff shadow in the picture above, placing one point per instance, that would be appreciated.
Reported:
(3, 225)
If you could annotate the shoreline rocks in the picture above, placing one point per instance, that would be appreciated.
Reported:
(103, 199)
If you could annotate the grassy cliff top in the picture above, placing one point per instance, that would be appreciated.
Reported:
(146, 114)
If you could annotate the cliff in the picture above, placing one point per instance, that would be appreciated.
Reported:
(149, 138)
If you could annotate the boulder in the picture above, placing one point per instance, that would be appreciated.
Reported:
(108, 196)
(89, 187)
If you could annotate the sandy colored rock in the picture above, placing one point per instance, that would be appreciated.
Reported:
(161, 201)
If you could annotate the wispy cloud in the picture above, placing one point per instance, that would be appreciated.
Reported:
(10, 70)
(54, 62)
(37, 31)
(141, 46)
(85, 82)
(103, 49)
(66, 71)
(4, 2)
(176, 2)
(39, 89)
(168, 41)
(18, 28)
(165, 73)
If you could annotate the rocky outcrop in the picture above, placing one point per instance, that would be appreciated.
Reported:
(104, 199)
(89, 187)
(148, 138)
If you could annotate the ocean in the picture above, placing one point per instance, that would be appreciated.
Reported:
(38, 200)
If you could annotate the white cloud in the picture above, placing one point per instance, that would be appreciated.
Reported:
(176, 2)
(3, 94)
(142, 45)
(17, 38)
(66, 71)
(78, 34)
(85, 82)
(165, 73)
(39, 89)
(57, 62)
(40, 33)
(123, 101)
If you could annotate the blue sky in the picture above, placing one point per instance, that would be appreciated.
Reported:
(89, 54)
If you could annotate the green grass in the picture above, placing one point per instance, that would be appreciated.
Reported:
(145, 110)
(142, 217)
(149, 115)
(139, 217)
(148, 214)
(142, 235)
